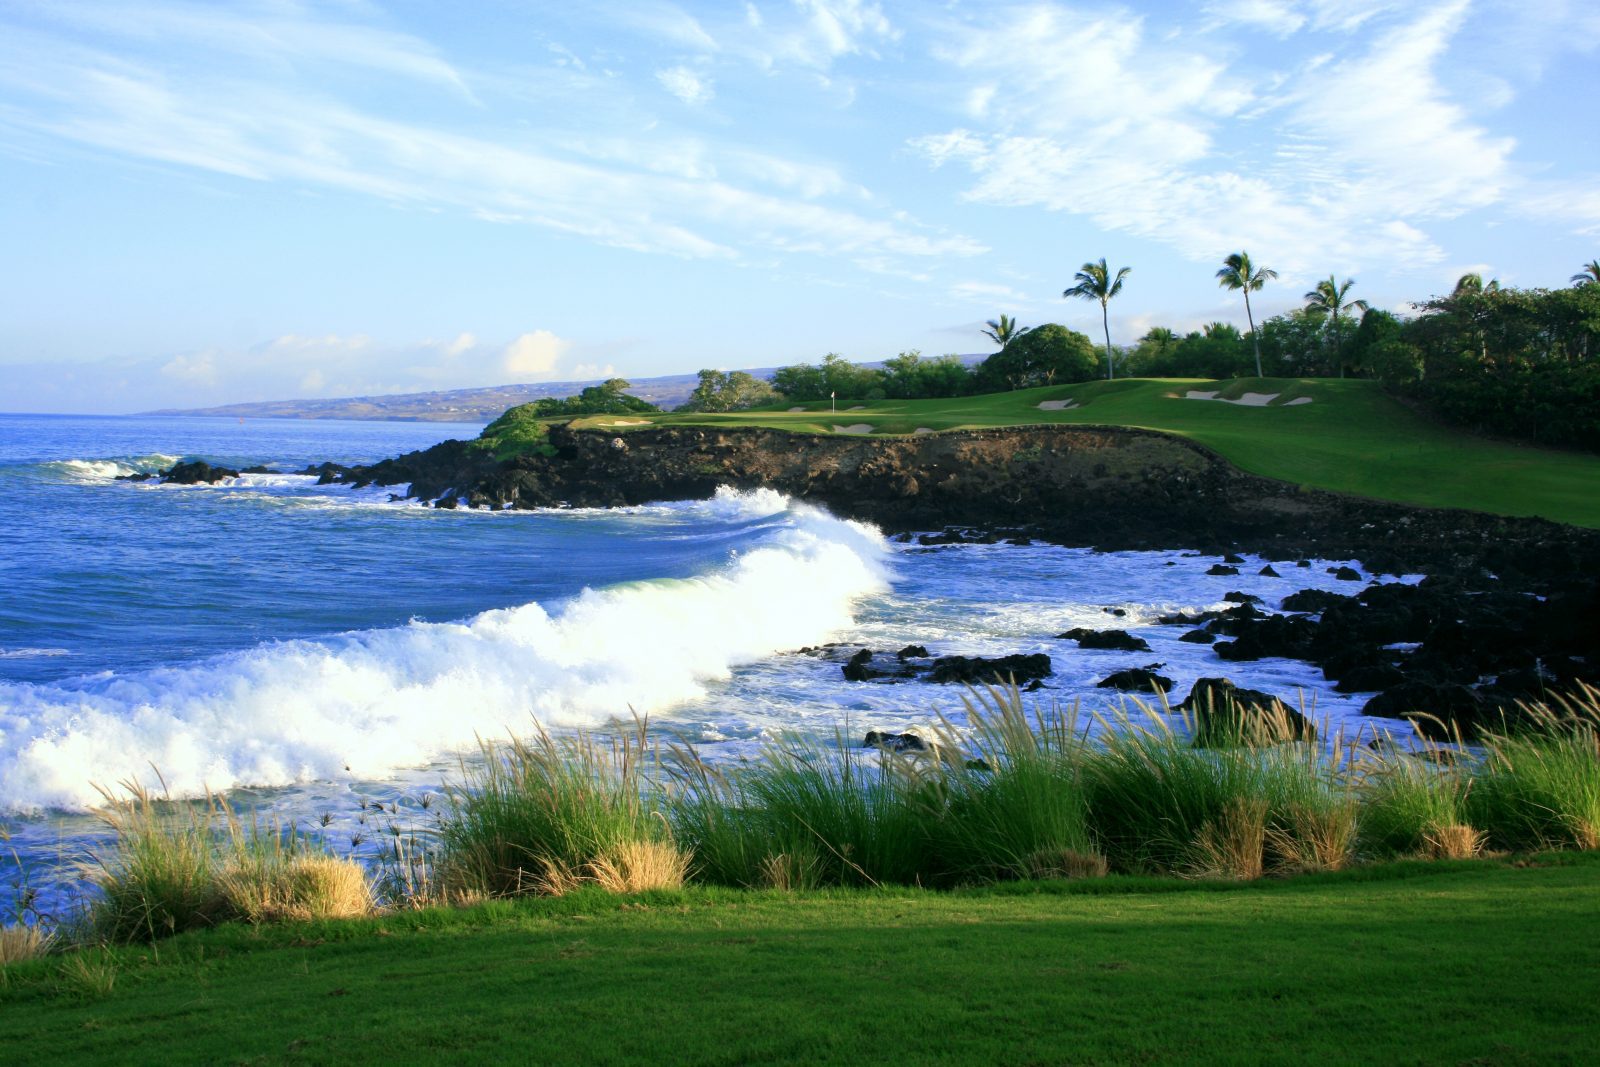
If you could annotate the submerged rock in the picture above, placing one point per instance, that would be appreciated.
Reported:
(1137, 680)
(197, 472)
(889, 742)
(977, 670)
(1225, 715)
(1112, 640)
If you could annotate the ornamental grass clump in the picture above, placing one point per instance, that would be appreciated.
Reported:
(161, 875)
(1416, 806)
(807, 814)
(1539, 784)
(837, 815)
(21, 943)
(181, 865)
(294, 885)
(1159, 804)
(547, 814)
(1016, 807)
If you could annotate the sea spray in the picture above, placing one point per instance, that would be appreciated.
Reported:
(371, 703)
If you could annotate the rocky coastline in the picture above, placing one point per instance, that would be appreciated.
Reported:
(1509, 609)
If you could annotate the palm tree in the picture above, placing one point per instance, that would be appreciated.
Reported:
(1474, 285)
(1096, 283)
(1328, 299)
(1004, 331)
(1239, 273)
(1589, 275)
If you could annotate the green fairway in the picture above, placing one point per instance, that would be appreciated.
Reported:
(1350, 437)
(1484, 962)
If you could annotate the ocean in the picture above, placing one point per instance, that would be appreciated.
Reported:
(308, 649)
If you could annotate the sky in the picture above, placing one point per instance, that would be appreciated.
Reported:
(214, 203)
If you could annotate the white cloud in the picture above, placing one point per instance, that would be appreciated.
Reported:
(665, 22)
(686, 85)
(845, 26)
(197, 369)
(988, 292)
(277, 32)
(533, 356)
(1281, 17)
(1339, 162)
(658, 193)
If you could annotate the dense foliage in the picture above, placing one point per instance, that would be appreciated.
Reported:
(728, 391)
(607, 398)
(519, 429)
(1517, 362)
(907, 376)
(1045, 355)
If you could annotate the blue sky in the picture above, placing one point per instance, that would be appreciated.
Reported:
(208, 203)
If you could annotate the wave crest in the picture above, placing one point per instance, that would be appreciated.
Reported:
(372, 703)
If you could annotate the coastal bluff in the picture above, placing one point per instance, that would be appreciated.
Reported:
(1108, 487)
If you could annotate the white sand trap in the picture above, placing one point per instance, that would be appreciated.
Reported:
(923, 429)
(1297, 400)
(797, 409)
(855, 427)
(858, 407)
(1058, 405)
(1248, 400)
(629, 422)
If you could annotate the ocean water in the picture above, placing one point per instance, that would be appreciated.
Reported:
(308, 648)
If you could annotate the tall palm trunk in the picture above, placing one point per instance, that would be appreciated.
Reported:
(1253, 338)
(1105, 321)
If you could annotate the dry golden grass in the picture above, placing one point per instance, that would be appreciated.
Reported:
(1066, 863)
(297, 888)
(636, 866)
(1314, 838)
(22, 942)
(789, 871)
(1233, 844)
(1451, 841)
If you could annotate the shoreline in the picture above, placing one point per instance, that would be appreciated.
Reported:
(1504, 613)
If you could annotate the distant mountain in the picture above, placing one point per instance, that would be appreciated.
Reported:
(451, 405)
(461, 405)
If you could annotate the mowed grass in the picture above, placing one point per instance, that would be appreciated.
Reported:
(1477, 961)
(1351, 437)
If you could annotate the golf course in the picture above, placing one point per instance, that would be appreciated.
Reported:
(1348, 435)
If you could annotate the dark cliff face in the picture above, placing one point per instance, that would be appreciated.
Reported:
(1112, 488)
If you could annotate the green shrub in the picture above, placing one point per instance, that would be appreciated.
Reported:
(1539, 787)
(161, 875)
(1016, 808)
(1415, 806)
(538, 815)
(1159, 804)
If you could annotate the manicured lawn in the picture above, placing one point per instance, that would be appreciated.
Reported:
(1483, 962)
(1351, 437)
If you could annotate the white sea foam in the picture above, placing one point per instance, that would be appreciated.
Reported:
(105, 470)
(372, 703)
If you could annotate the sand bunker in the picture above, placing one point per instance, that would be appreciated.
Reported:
(858, 407)
(923, 429)
(1058, 405)
(1248, 400)
(855, 427)
(629, 422)
(797, 409)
